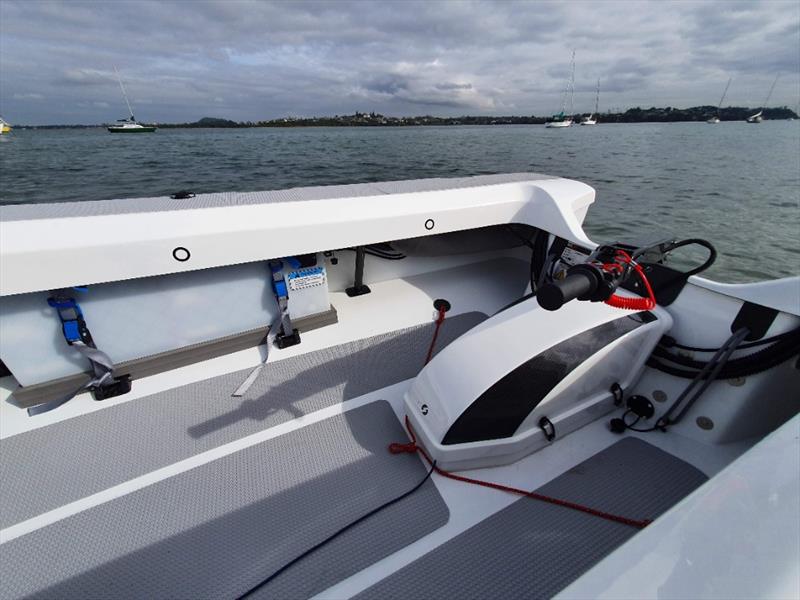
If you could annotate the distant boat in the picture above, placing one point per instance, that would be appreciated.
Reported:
(716, 118)
(128, 125)
(758, 117)
(561, 120)
(591, 119)
(5, 127)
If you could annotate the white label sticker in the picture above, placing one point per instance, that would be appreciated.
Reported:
(307, 281)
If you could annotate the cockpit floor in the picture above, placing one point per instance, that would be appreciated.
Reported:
(532, 549)
(218, 530)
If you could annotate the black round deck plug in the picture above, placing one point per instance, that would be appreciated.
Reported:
(441, 304)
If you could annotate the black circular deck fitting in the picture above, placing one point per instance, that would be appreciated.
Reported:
(441, 303)
(181, 254)
(429, 224)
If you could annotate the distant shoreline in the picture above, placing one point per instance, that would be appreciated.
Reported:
(633, 115)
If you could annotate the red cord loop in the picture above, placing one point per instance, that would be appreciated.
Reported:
(630, 303)
(397, 448)
(439, 321)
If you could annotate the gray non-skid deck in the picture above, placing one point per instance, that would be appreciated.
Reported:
(532, 549)
(218, 530)
(329, 192)
(48, 467)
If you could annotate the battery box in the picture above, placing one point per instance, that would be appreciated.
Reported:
(307, 287)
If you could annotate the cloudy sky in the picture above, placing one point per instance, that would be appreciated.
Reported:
(246, 60)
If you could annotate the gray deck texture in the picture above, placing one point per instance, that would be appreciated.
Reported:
(219, 529)
(142, 205)
(532, 549)
(48, 467)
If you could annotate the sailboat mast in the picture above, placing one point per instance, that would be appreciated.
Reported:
(721, 100)
(124, 95)
(572, 86)
(597, 98)
(770, 92)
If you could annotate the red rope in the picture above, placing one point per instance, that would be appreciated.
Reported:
(397, 448)
(439, 321)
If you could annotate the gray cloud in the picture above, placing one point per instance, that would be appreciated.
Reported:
(248, 60)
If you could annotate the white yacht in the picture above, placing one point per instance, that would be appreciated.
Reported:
(759, 116)
(437, 388)
(716, 118)
(592, 118)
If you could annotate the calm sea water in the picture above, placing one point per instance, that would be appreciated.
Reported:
(735, 184)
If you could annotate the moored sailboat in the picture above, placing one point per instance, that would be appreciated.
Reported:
(592, 119)
(716, 118)
(129, 125)
(561, 120)
(759, 116)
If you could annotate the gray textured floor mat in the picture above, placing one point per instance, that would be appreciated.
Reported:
(532, 549)
(219, 529)
(48, 467)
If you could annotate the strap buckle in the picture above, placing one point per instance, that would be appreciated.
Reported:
(73, 324)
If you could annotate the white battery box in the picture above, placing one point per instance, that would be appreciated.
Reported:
(308, 290)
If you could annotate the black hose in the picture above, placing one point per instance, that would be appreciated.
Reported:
(703, 378)
(669, 342)
(757, 362)
(350, 525)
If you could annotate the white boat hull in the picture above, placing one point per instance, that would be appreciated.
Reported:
(558, 124)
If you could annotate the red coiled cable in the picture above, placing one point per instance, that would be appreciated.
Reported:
(630, 303)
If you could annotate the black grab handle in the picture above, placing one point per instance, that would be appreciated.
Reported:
(553, 296)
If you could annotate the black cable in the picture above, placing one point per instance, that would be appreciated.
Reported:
(669, 342)
(380, 254)
(350, 525)
(712, 254)
(631, 426)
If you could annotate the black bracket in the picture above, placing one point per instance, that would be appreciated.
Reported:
(616, 391)
(359, 289)
(283, 340)
(758, 319)
(547, 427)
(121, 385)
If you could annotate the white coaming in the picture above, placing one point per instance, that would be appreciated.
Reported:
(44, 254)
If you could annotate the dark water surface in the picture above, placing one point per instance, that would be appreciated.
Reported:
(735, 184)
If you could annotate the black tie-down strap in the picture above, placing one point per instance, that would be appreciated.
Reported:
(103, 384)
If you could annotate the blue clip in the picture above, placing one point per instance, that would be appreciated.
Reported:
(280, 288)
(71, 317)
(72, 331)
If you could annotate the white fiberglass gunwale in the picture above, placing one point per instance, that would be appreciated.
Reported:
(91, 244)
